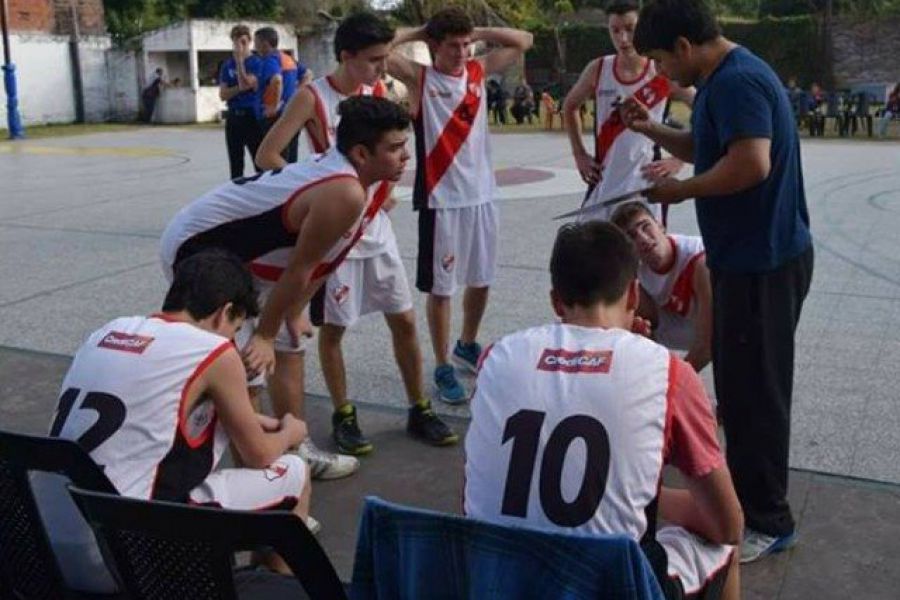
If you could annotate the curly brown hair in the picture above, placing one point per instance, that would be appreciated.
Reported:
(447, 22)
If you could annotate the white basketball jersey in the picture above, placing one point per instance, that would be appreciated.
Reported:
(453, 147)
(122, 401)
(378, 233)
(673, 292)
(568, 430)
(247, 216)
(620, 151)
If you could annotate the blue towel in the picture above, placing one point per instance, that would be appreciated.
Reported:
(411, 553)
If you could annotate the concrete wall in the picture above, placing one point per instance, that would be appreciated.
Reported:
(44, 77)
(124, 84)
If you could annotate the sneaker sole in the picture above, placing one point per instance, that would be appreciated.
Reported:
(776, 548)
(464, 365)
(358, 451)
(326, 474)
(438, 443)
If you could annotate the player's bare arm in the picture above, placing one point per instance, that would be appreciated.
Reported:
(746, 163)
(700, 352)
(259, 440)
(406, 70)
(647, 309)
(581, 92)
(513, 44)
(708, 507)
(299, 111)
(637, 118)
(275, 84)
(325, 213)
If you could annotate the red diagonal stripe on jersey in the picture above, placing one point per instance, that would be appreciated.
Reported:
(650, 94)
(457, 129)
(682, 294)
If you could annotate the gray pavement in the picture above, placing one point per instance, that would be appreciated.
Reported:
(80, 219)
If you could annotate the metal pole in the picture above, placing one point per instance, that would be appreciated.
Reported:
(77, 83)
(13, 121)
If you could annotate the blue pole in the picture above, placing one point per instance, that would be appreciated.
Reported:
(13, 121)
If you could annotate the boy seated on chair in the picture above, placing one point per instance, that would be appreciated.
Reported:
(155, 400)
(572, 423)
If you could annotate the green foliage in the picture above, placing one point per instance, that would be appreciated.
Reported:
(792, 45)
(126, 19)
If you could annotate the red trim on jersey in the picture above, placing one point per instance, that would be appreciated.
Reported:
(378, 199)
(636, 79)
(287, 204)
(483, 357)
(167, 318)
(650, 94)
(672, 262)
(457, 129)
(679, 301)
(667, 429)
(195, 443)
(378, 90)
(266, 272)
(318, 145)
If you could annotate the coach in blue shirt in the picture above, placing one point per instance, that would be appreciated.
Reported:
(239, 86)
(751, 208)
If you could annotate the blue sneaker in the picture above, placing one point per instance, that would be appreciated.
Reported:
(466, 356)
(758, 545)
(448, 387)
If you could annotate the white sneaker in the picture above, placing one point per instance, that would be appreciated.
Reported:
(314, 526)
(326, 465)
(756, 545)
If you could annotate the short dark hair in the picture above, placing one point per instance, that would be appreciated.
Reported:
(625, 214)
(591, 263)
(662, 22)
(268, 35)
(365, 119)
(239, 31)
(208, 280)
(360, 31)
(447, 22)
(621, 7)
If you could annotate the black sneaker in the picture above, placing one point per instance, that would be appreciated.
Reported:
(428, 427)
(346, 433)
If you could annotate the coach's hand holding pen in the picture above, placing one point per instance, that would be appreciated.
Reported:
(635, 116)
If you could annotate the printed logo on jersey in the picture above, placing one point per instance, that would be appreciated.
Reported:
(435, 93)
(582, 361)
(340, 294)
(201, 418)
(126, 342)
(275, 471)
(447, 262)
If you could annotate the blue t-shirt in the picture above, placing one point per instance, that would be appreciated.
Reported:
(761, 228)
(291, 74)
(249, 99)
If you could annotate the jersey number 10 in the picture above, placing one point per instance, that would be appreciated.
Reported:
(524, 428)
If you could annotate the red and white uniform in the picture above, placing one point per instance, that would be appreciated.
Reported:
(373, 278)
(455, 185)
(123, 400)
(379, 232)
(673, 292)
(620, 151)
(247, 216)
(570, 429)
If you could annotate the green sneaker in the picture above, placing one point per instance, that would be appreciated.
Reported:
(423, 424)
(346, 433)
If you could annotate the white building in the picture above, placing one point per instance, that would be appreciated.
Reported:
(191, 53)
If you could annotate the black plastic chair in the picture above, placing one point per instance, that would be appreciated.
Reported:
(28, 566)
(164, 550)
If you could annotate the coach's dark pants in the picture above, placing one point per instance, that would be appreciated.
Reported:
(755, 316)
(242, 130)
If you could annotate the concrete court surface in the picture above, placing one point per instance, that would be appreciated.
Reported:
(80, 219)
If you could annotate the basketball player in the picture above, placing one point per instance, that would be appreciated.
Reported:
(623, 160)
(455, 187)
(631, 405)
(156, 399)
(676, 294)
(372, 278)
